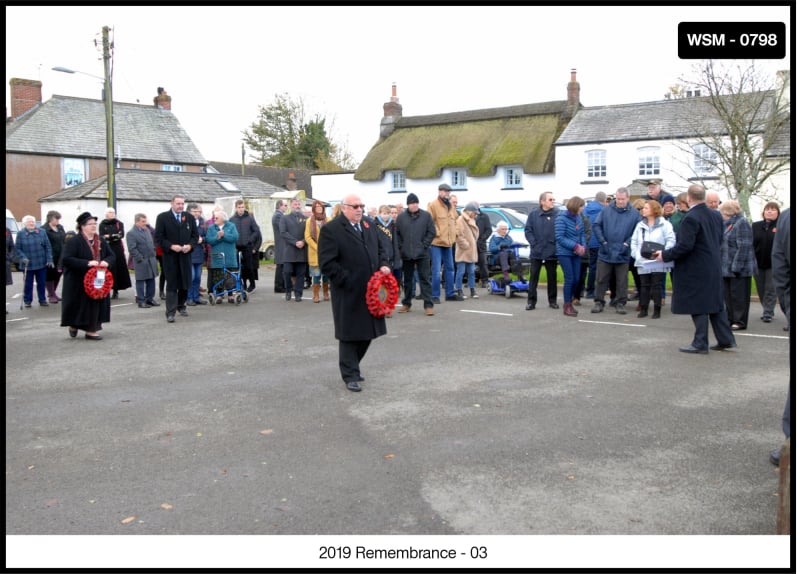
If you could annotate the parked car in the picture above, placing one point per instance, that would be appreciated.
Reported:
(516, 225)
(12, 224)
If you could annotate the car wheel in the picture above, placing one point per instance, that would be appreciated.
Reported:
(269, 253)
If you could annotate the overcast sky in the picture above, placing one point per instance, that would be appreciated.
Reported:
(220, 64)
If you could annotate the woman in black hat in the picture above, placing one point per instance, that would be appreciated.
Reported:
(86, 251)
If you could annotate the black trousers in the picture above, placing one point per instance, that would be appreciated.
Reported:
(279, 284)
(176, 300)
(737, 299)
(551, 268)
(350, 355)
(650, 289)
(423, 268)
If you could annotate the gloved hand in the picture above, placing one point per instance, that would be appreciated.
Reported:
(24, 261)
(503, 246)
(50, 265)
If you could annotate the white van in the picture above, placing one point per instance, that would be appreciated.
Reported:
(12, 224)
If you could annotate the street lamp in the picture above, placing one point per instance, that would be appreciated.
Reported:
(109, 108)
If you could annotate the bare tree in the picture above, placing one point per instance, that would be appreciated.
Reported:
(740, 115)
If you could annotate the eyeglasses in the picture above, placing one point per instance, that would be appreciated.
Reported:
(355, 205)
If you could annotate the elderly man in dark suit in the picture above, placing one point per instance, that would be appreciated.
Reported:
(349, 254)
(697, 280)
(176, 233)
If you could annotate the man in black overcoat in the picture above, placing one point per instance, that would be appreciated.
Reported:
(697, 280)
(349, 254)
(176, 233)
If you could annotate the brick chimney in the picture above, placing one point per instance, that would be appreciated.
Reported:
(25, 95)
(291, 182)
(392, 111)
(573, 95)
(162, 100)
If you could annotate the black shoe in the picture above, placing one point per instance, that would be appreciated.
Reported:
(44, 304)
(152, 303)
(201, 302)
(454, 298)
(183, 313)
(530, 306)
(288, 295)
(719, 347)
(114, 295)
(435, 300)
(143, 306)
(775, 457)
(693, 350)
(554, 305)
(73, 332)
(298, 297)
(643, 313)
(766, 319)
(170, 318)
(657, 313)
(161, 295)
(191, 303)
(277, 290)
(251, 288)
(93, 337)
(353, 386)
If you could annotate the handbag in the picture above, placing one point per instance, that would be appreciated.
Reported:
(649, 248)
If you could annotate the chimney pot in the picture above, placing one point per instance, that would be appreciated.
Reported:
(25, 95)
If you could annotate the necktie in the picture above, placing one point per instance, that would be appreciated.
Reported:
(357, 227)
(178, 217)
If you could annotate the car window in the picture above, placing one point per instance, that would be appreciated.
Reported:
(514, 220)
(494, 217)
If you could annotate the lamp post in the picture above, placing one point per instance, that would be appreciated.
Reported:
(109, 109)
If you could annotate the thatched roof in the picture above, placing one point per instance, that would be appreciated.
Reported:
(478, 140)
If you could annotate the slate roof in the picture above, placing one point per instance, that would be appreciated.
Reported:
(147, 185)
(276, 176)
(478, 140)
(68, 126)
(782, 144)
(665, 119)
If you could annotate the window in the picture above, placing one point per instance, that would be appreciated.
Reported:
(398, 181)
(513, 177)
(227, 185)
(459, 179)
(596, 163)
(649, 161)
(74, 171)
(705, 159)
(171, 167)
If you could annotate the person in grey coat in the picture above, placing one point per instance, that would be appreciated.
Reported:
(697, 280)
(145, 265)
(293, 231)
(349, 254)
(782, 272)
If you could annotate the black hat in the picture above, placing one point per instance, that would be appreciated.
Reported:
(444, 186)
(84, 217)
(667, 198)
(471, 207)
(412, 198)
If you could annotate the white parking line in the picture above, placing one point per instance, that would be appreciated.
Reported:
(487, 313)
(612, 323)
(738, 334)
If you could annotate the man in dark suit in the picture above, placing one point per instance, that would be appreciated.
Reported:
(349, 254)
(176, 233)
(697, 281)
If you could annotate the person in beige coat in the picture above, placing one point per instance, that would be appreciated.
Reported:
(313, 225)
(466, 250)
(444, 216)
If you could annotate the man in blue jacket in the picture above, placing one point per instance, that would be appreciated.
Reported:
(613, 229)
(592, 210)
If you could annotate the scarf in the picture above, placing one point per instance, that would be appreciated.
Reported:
(94, 244)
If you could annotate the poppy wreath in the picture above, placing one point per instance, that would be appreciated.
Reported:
(97, 292)
(382, 294)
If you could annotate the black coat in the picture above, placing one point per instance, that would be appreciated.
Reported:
(176, 266)
(350, 260)
(77, 307)
(697, 279)
(415, 233)
(113, 231)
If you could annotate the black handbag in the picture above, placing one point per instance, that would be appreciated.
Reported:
(649, 248)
